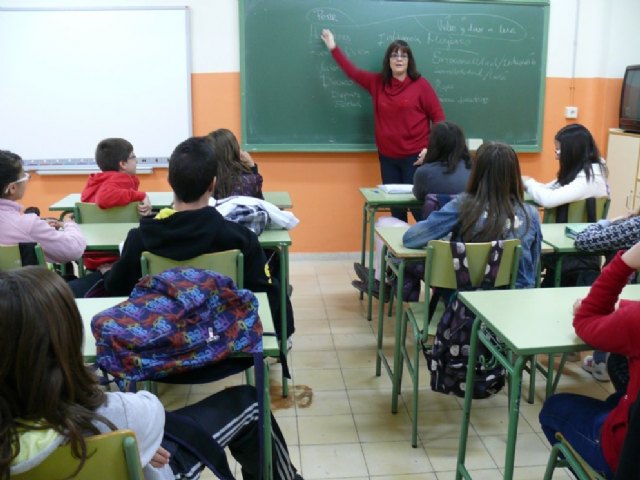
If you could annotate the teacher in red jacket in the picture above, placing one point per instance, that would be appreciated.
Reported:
(404, 105)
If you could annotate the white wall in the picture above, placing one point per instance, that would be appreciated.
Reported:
(608, 37)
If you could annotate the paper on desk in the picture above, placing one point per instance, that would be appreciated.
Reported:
(396, 188)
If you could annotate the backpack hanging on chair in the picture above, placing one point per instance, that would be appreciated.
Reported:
(447, 359)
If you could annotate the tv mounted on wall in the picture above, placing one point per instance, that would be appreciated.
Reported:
(630, 100)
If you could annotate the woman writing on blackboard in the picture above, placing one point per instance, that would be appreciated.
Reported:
(404, 104)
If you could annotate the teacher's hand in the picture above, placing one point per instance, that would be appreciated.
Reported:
(327, 38)
(421, 155)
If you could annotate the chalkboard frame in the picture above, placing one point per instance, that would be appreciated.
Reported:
(367, 147)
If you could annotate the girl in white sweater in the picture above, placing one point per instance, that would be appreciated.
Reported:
(582, 172)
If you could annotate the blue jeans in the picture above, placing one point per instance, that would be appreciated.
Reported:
(579, 418)
(399, 170)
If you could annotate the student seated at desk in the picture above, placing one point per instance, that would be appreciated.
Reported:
(48, 396)
(582, 172)
(61, 241)
(237, 172)
(193, 228)
(582, 175)
(491, 209)
(445, 171)
(115, 186)
(597, 428)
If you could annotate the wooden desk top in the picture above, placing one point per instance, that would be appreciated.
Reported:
(165, 199)
(108, 236)
(392, 238)
(376, 197)
(554, 235)
(91, 306)
(536, 320)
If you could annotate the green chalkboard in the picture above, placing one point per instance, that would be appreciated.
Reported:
(486, 61)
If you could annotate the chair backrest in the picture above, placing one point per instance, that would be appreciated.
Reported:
(439, 270)
(228, 262)
(577, 212)
(112, 456)
(20, 255)
(92, 213)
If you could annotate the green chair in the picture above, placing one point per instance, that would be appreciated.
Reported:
(112, 456)
(439, 272)
(92, 213)
(229, 263)
(564, 455)
(11, 256)
(577, 212)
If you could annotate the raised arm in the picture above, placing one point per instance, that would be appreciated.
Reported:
(328, 39)
(365, 79)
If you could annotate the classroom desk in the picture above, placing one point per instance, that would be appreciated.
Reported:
(158, 200)
(553, 234)
(108, 236)
(392, 246)
(375, 200)
(88, 307)
(529, 322)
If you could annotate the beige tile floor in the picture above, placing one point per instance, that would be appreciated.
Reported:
(337, 420)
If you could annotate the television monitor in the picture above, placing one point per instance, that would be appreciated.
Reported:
(630, 100)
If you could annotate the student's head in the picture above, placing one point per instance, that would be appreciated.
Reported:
(448, 146)
(193, 167)
(577, 151)
(230, 167)
(399, 59)
(116, 155)
(42, 373)
(494, 188)
(13, 178)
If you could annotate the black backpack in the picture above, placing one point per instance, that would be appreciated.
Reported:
(447, 358)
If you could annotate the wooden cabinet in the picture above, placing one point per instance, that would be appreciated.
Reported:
(623, 162)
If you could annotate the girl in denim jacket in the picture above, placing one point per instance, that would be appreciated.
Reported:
(492, 208)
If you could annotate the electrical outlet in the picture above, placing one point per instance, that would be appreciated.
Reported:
(570, 112)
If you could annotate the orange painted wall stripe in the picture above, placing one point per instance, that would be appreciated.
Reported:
(324, 186)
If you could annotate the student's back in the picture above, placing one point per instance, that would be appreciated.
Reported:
(238, 173)
(116, 185)
(447, 164)
(491, 209)
(61, 241)
(582, 172)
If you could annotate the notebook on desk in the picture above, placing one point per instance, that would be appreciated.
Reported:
(396, 188)
(574, 229)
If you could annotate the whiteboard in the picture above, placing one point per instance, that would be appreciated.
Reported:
(69, 78)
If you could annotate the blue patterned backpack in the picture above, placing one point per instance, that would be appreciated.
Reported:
(447, 358)
(179, 320)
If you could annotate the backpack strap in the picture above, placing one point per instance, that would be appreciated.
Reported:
(493, 265)
(590, 204)
(463, 278)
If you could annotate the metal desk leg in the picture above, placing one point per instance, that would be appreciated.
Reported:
(397, 351)
(284, 283)
(461, 470)
(514, 414)
(365, 217)
(380, 352)
(268, 457)
(372, 226)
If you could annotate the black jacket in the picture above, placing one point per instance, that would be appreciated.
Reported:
(188, 234)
